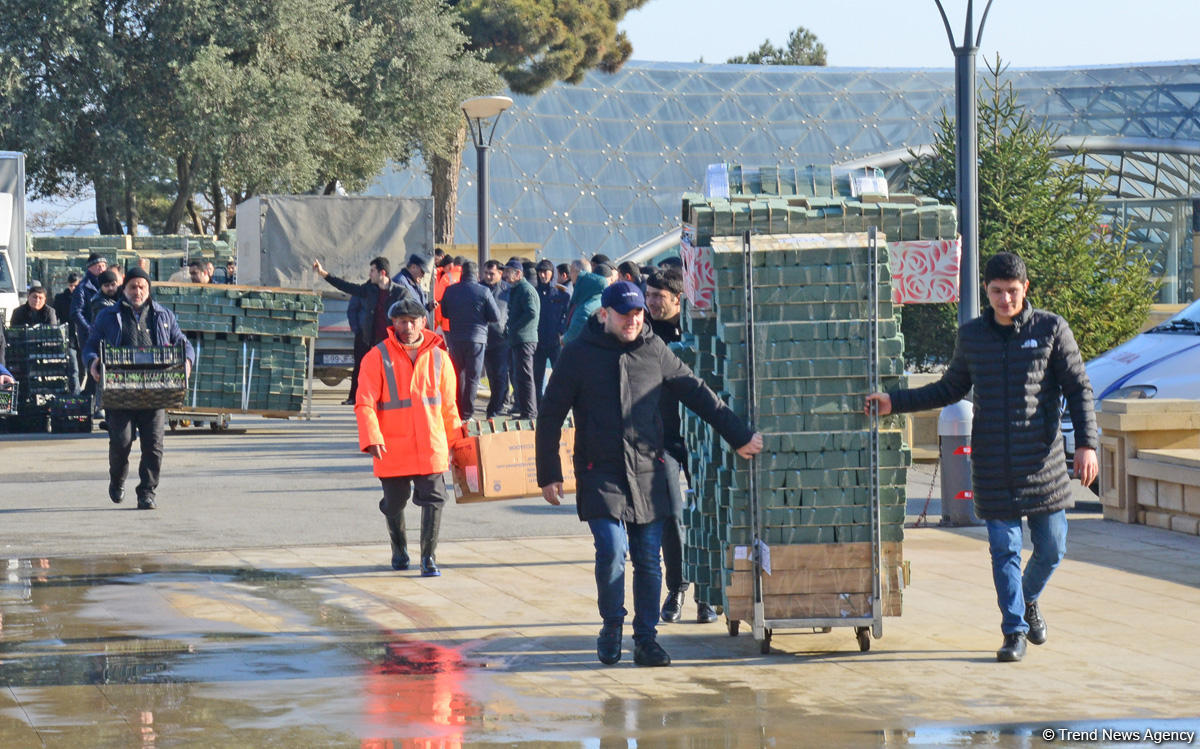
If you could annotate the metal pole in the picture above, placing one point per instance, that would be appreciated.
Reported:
(966, 168)
(481, 153)
(966, 156)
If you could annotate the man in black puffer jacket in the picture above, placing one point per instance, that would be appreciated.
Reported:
(1021, 362)
(612, 376)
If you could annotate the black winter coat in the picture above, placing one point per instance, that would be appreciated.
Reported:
(614, 390)
(369, 294)
(469, 306)
(1017, 462)
(24, 315)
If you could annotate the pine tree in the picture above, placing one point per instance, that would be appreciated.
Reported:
(1042, 208)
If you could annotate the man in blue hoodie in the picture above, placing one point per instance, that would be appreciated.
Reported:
(552, 323)
(586, 299)
(469, 306)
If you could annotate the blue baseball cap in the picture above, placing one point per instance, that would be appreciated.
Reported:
(623, 296)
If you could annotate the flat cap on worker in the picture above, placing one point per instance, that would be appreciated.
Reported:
(406, 307)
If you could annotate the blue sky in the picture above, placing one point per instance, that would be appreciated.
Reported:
(909, 33)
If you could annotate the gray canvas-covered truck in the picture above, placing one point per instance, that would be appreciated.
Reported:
(279, 236)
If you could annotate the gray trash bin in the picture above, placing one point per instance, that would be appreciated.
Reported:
(954, 446)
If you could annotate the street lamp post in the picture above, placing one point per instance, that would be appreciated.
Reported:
(966, 157)
(482, 113)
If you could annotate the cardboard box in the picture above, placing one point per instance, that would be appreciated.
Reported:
(503, 466)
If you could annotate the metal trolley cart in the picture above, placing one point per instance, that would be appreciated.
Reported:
(865, 623)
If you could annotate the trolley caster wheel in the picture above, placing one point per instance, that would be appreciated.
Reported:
(864, 638)
(732, 625)
(764, 647)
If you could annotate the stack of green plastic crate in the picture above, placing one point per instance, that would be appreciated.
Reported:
(250, 343)
(812, 312)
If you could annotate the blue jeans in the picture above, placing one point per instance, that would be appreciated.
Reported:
(1048, 534)
(613, 538)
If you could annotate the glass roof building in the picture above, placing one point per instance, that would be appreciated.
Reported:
(600, 166)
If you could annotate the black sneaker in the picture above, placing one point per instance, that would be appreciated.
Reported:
(672, 608)
(146, 503)
(705, 614)
(1036, 622)
(650, 653)
(1013, 648)
(608, 645)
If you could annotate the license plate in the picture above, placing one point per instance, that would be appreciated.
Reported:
(332, 360)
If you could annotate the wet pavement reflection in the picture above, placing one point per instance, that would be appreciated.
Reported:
(135, 651)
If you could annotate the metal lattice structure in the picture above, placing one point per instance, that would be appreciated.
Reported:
(600, 166)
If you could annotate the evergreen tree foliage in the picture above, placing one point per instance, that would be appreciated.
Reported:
(192, 106)
(1042, 208)
(802, 48)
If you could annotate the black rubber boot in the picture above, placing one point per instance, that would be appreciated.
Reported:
(672, 608)
(431, 521)
(399, 537)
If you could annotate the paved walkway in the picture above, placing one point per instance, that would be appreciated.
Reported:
(322, 646)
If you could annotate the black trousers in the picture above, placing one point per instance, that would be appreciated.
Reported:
(522, 378)
(496, 363)
(424, 490)
(151, 425)
(545, 353)
(672, 553)
(467, 357)
(361, 347)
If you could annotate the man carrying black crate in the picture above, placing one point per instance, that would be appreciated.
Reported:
(1021, 362)
(613, 377)
(139, 321)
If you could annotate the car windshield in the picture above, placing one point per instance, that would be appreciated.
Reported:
(1187, 320)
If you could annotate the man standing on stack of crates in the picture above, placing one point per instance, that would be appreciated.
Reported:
(135, 321)
(613, 377)
(1021, 362)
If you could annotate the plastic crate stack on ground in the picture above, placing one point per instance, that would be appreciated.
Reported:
(251, 344)
(39, 360)
(813, 322)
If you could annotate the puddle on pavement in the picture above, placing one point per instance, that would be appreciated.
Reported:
(130, 652)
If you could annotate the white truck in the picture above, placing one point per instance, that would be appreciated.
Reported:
(12, 230)
(279, 236)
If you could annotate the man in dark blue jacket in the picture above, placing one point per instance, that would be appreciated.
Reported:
(1021, 362)
(469, 306)
(552, 323)
(136, 320)
(410, 278)
(376, 297)
(497, 357)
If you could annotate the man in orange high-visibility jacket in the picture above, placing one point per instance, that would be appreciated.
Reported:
(449, 272)
(408, 421)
